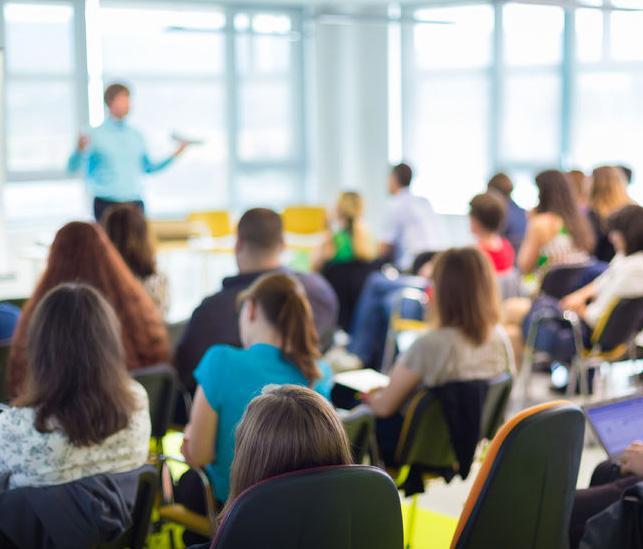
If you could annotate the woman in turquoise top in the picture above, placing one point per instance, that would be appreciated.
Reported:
(280, 347)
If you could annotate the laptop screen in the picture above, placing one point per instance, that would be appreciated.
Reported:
(617, 424)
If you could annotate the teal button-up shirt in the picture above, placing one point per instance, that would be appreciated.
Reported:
(114, 161)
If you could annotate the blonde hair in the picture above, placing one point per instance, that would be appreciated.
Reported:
(286, 307)
(466, 293)
(350, 208)
(287, 428)
(609, 191)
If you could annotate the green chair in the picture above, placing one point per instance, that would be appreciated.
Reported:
(425, 446)
(359, 424)
(523, 495)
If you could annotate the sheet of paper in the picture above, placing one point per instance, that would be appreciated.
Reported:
(362, 381)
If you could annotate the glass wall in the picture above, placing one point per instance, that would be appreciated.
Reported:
(229, 78)
(519, 87)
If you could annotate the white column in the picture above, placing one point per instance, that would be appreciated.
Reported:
(349, 111)
(5, 267)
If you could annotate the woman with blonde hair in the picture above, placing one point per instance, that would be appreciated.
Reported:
(467, 343)
(350, 239)
(609, 194)
(280, 347)
(295, 428)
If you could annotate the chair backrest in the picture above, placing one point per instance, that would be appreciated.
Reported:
(343, 507)
(564, 279)
(347, 279)
(526, 483)
(217, 222)
(619, 325)
(161, 385)
(117, 509)
(359, 425)
(135, 536)
(426, 440)
(495, 404)
(304, 219)
(5, 348)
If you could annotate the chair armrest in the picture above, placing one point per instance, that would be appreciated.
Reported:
(208, 490)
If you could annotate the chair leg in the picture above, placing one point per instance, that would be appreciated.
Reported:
(410, 523)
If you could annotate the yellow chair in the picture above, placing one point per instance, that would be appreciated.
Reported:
(304, 220)
(217, 222)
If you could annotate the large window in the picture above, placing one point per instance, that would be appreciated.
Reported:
(41, 103)
(447, 105)
(229, 78)
(520, 87)
(608, 111)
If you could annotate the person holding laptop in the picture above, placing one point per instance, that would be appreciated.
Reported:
(114, 156)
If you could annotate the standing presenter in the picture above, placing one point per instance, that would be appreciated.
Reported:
(114, 156)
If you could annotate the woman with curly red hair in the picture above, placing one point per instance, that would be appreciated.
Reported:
(81, 252)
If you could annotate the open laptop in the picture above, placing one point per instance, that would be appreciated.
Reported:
(617, 423)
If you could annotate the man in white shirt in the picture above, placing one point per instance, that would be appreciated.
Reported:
(410, 226)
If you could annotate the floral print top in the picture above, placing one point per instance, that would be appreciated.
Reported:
(31, 458)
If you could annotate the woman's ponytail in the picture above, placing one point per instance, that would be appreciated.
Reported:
(286, 307)
(299, 338)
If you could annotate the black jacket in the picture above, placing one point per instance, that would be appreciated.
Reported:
(216, 320)
(80, 514)
(462, 403)
(620, 525)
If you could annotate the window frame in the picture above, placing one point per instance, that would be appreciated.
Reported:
(295, 164)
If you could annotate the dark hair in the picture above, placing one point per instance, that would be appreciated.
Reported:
(81, 252)
(501, 183)
(466, 293)
(77, 378)
(261, 229)
(286, 307)
(126, 227)
(113, 90)
(489, 210)
(421, 260)
(628, 173)
(287, 428)
(403, 174)
(629, 222)
(556, 196)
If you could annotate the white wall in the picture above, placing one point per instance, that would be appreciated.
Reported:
(349, 112)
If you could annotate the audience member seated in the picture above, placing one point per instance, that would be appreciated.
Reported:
(516, 220)
(9, 316)
(348, 238)
(126, 227)
(81, 252)
(80, 414)
(410, 226)
(280, 347)
(295, 429)
(557, 231)
(486, 217)
(606, 487)
(466, 344)
(372, 314)
(609, 194)
(624, 276)
(258, 250)
(581, 187)
(557, 234)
